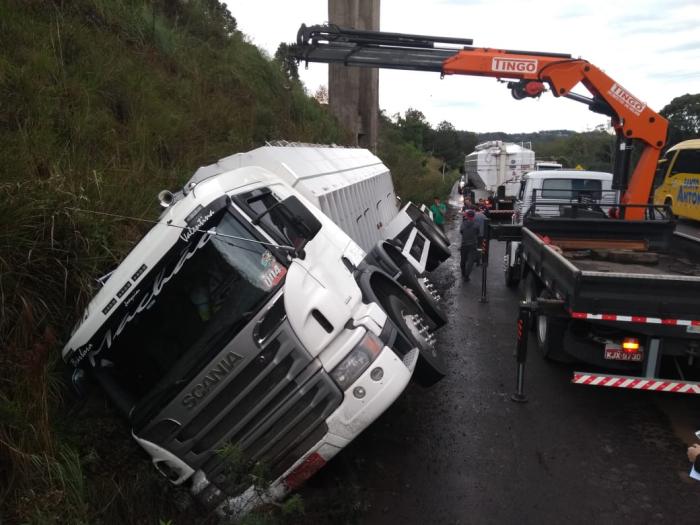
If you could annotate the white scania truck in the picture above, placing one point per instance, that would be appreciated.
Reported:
(251, 329)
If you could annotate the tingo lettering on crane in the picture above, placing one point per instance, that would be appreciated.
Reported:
(510, 65)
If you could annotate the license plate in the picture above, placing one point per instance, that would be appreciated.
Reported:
(693, 329)
(619, 355)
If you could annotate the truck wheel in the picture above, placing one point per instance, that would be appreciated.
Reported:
(550, 335)
(668, 203)
(530, 289)
(439, 247)
(429, 224)
(512, 273)
(409, 320)
(425, 293)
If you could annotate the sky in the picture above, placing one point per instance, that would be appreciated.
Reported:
(650, 47)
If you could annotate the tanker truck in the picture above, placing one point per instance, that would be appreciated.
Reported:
(494, 171)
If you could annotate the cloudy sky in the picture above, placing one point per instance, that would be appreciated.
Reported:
(651, 47)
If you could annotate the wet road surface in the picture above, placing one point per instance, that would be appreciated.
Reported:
(689, 227)
(463, 452)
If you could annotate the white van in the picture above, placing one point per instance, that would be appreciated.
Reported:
(551, 194)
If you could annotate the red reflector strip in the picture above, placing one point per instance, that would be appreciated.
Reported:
(633, 319)
(307, 468)
(635, 383)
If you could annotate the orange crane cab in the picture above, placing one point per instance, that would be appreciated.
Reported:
(530, 74)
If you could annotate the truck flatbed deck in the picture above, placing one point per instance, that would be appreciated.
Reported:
(666, 265)
(586, 283)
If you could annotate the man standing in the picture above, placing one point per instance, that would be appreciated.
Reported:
(439, 210)
(470, 233)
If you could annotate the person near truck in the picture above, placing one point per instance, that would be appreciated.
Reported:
(470, 234)
(439, 210)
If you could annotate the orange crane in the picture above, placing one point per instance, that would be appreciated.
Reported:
(529, 74)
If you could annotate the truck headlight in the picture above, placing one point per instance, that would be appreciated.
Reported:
(357, 361)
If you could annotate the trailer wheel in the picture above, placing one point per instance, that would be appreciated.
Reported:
(550, 334)
(425, 293)
(408, 318)
(512, 273)
(439, 250)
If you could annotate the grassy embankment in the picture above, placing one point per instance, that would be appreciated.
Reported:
(102, 104)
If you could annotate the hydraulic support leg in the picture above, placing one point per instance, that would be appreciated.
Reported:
(524, 319)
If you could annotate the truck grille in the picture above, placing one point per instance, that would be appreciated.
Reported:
(269, 410)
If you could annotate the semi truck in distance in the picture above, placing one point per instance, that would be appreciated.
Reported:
(277, 307)
(494, 171)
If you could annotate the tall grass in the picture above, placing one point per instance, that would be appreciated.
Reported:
(102, 104)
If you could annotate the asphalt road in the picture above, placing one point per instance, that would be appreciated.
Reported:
(688, 226)
(463, 452)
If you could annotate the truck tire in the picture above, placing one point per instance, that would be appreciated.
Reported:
(668, 203)
(530, 289)
(425, 294)
(550, 334)
(431, 225)
(439, 248)
(409, 320)
(512, 273)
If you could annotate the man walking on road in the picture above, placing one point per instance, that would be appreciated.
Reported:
(480, 220)
(470, 233)
(439, 210)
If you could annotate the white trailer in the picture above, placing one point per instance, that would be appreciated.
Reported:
(354, 188)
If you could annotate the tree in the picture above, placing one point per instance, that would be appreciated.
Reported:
(683, 114)
(415, 129)
(321, 94)
(446, 145)
(287, 62)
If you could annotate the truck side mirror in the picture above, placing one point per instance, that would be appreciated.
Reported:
(299, 223)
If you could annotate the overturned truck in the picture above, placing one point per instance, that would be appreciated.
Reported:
(275, 310)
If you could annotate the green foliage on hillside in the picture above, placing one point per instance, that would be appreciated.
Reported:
(417, 176)
(102, 104)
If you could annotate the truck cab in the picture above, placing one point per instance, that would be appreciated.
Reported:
(247, 321)
(540, 194)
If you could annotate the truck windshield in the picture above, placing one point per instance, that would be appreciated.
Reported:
(571, 189)
(207, 292)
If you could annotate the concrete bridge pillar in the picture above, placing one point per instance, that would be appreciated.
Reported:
(353, 93)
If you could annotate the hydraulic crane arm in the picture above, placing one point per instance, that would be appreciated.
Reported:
(529, 71)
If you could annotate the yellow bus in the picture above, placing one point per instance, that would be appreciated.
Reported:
(679, 174)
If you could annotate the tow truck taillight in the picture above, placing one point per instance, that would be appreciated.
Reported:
(630, 345)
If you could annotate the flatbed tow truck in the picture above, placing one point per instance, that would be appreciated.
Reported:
(636, 313)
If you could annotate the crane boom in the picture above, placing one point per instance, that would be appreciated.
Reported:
(529, 72)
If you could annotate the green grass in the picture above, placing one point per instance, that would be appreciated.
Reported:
(103, 103)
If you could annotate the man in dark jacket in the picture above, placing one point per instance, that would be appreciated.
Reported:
(470, 234)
